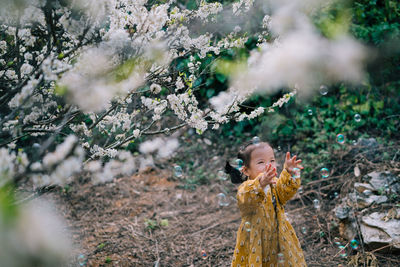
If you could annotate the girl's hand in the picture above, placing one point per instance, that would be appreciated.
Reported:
(267, 176)
(291, 163)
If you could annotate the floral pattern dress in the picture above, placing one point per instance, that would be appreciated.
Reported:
(257, 241)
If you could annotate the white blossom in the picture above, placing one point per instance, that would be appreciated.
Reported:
(61, 151)
(155, 88)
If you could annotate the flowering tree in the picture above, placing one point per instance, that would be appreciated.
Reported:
(81, 80)
(93, 76)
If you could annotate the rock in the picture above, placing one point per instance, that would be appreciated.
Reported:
(366, 202)
(366, 198)
(377, 232)
(361, 187)
(342, 211)
(384, 181)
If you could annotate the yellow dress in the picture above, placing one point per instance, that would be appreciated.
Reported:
(257, 237)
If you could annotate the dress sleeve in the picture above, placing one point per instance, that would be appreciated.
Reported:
(250, 194)
(286, 186)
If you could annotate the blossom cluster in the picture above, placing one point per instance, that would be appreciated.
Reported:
(111, 72)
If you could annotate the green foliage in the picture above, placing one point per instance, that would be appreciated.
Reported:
(376, 21)
(155, 224)
(151, 224)
(8, 210)
(313, 137)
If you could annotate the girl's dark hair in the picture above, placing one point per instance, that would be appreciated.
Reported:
(245, 155)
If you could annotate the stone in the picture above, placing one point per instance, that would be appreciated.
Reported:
(378, 232)
(361, 187)
(342, 211)
(382, 180)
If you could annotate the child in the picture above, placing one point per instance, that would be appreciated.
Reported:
(265, 237)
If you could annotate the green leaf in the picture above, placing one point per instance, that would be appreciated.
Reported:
(210, 93)
(220, 77)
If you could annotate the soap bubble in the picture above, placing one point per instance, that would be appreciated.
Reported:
(323, 90)
(178, 171)
(304, 230)
(336, 194)
(222, 175)
(36, 145)
(222, 200)
(354, 244)
(279, 148)
(81, 260)
(203, 254)
(342, 252)
(357, 117)
(310, 112)
(354, 142)
(247, 226)
(239, 164)
(317, 205)
(324, 172)
(296, 173)
(281, 258)
(255, 140)
(340, 138)
(336, 240)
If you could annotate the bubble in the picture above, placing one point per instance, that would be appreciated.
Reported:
(324, 172)
(239, 164)
(310, 112)
(300, 190)
(354, 244)
(279, 148)
(178, 171)
(296, 173)
(203, 254)
(317, 205)
(281, 258)
(222, 200)
(222, 175)
(336, 240)
(357, 117)
(36, 146)
(304, 230)
(323, 89)
(342, 252)
(354, 142)
(247, 226)
(335, 194)
(340, 139)
(81, 260)
(255, 140)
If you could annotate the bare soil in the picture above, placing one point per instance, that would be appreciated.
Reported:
(148, 219)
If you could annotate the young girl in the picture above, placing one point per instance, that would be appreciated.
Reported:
(265, 237)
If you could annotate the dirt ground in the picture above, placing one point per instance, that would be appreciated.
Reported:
(149, 220)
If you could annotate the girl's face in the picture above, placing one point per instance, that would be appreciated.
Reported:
(259, 159)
